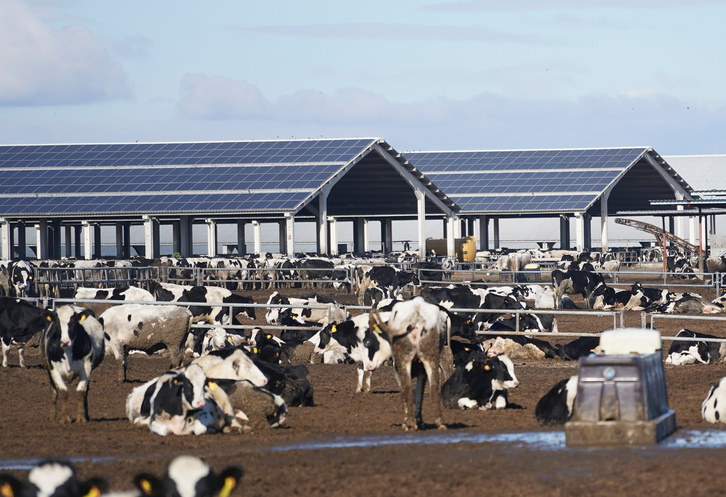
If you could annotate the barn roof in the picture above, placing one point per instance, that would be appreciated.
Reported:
(233, 178)
(550, 182)
(699, 170)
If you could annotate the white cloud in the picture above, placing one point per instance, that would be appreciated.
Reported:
(487, 121)
(41, 64)
(400, 32)
(220, 97)
(555, 5)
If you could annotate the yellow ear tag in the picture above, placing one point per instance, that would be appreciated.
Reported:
(229, 484)
(48, 318)
(487, 367)
(376, 328)
(333, 329)
(6, 490)
(93, 492)
(212, 386)
(146, 486)
(83, 318)
(268, 336)
(255, 351)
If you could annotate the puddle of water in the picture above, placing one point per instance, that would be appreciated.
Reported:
(544, 441)
(532, 440)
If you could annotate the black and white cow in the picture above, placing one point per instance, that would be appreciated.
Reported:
(369, 348)
(695, 351)
(608, 298)
(17, 279)
(125, 293)
(189, 476)
(217, 339)
(312, 308)
(575, 282)
(555, 407)
(713, 409)
(312, 270)
(51, 479)
(71, 346)
(687, 303)
(217, 313)
(477, 383)
(368, 276)
(465, 297)
(147, 328)
(418, 332)
(19, 322)
(180, 402)
(646, 297)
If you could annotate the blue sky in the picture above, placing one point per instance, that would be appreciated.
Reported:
(425, 75)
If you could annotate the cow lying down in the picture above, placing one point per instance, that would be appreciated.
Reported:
(480, 383)
(555, 407)
(207, 396)
(695, 351)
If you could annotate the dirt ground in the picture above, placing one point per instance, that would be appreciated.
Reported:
(353, 444)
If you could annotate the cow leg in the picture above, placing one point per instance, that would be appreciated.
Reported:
(403, 373)
(21, 356)
(53, 412)
(432, 372)
(361, 378)
(368, 375)
(124, 366)
(82, 389)
(418, 394)
(6, 348)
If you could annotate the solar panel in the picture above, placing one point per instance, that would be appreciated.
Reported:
(510, 181)
(169, 177)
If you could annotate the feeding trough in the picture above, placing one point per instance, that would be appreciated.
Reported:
(621, 394)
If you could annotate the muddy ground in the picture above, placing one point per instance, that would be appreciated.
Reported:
(343, 445)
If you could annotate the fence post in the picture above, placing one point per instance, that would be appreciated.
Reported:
(643, 319)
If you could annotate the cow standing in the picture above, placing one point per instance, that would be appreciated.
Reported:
(19, 322)
(418, 332)
(71, 346)
(147, 328)
(575, 282)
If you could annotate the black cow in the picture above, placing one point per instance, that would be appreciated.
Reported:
(19, 322)
(555, 407)
(71, 347)
(579, 347)
(575, 282)
(310, 270)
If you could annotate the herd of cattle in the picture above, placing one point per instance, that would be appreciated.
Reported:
(440, 335)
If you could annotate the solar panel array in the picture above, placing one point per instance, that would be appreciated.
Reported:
(526, 181)
(169, 177)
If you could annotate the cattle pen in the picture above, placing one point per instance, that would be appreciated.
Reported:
(358, 438)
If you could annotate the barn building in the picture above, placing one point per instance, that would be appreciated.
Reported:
(67, 192)
(75, 189)
(569, 183)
